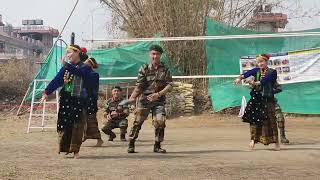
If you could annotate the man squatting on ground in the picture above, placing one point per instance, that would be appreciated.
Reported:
(116, 115)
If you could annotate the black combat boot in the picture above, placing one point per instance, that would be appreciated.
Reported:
(157, 148)
(283, 138)
(123, 137)
(112, 136)
(123, 134)
(131, 146)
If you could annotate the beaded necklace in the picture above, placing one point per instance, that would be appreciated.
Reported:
(261, 74)
(67, 79)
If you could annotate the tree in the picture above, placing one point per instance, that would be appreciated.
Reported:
(173, 18)
(170, 18)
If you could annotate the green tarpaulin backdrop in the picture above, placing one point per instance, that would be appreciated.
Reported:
(223, 59)
(123, 61)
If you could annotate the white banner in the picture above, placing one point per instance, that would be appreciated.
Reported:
(292, 67)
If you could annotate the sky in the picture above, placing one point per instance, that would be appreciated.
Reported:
(302, 15)
(55, 12)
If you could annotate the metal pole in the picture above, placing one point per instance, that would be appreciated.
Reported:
(61, 48)
(55, 50)
(72, 38)
(219, 37)
(127, 91)
(57, 101)
(32, 102)
(91, 29)
(43, 111)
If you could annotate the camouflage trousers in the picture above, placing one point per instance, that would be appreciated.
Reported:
(280, 117)
(117, 123)
(157, 109)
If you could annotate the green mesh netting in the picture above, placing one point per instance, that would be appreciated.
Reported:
(223, 59)
(123, 61)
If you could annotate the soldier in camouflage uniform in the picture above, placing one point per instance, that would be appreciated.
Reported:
(116, 115)
(279, 115)
(281, 123)
(154, 81)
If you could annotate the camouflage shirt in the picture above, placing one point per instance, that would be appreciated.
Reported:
(113, 105)
(151, 80)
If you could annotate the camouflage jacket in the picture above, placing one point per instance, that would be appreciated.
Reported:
(151, 80)
(113, 105)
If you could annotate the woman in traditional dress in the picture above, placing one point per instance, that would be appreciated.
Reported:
(73, 100)
(92, 130)
(260, 111)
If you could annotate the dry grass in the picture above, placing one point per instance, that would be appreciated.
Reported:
(15, 76)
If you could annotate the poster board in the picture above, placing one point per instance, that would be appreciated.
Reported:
(292, 67)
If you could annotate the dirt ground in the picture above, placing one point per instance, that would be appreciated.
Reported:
(211, 146)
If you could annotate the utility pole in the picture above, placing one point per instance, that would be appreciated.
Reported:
(92, 29)
(72, 38)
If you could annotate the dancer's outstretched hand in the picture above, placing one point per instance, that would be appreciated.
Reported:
(237, 81)
(44, 98)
